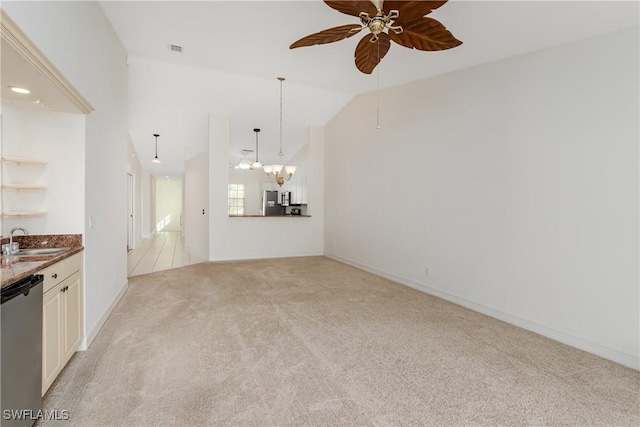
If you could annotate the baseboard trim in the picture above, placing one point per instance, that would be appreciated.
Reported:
(614, 354)
(88, 338)
(268, 256)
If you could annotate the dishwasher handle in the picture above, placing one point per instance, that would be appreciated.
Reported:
(20, 287)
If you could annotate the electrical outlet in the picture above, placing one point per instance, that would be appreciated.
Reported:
(115, 278)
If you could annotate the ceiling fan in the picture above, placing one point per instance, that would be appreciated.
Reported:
(405, 22)
(244, 163)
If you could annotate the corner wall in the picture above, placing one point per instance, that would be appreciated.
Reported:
(262, 237)
(510, 188)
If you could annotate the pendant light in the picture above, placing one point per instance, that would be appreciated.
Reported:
(256, 165)
(280, 172)
(156, 159)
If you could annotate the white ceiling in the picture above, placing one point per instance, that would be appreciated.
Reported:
(240, 47)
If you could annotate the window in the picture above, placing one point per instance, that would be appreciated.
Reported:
(236, 199)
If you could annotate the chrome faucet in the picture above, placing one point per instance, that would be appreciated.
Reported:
(13, 230)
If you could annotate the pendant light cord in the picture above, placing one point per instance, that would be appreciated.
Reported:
(256, 131)
(280, 154)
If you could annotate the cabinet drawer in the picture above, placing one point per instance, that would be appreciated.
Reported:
(72, 264)
(52, 276)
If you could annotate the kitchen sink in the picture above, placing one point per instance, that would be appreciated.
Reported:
(42, 251)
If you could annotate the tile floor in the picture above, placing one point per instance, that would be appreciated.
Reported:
(162, 251)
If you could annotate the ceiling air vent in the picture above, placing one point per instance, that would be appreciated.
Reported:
(175, 48)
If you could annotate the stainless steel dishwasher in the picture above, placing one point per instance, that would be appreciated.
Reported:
(21, 353)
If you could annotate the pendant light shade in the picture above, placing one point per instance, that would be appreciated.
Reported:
(156, 160)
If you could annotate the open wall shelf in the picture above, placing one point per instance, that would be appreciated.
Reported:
(27, 188)
(22, 188)
(23, 214)
(24, 162)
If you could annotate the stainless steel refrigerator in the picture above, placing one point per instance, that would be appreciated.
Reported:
(270, 206)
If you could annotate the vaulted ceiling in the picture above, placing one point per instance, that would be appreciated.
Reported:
(234, 50)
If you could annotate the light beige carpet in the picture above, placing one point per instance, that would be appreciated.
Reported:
(310, 341)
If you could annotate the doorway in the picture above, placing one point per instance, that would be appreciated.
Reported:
(168, 204)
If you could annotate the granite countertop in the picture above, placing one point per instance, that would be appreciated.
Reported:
(16, 267)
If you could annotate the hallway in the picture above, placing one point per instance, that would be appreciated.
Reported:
(162, 251)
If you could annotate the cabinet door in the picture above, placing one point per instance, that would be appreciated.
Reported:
(73, 320)
(52, 331)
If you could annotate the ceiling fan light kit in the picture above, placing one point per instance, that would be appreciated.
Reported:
(404, 21)
(244, 163)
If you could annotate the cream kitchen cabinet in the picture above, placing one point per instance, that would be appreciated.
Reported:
(63, 320)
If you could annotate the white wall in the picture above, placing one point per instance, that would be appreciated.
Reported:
(79, 40)
(196, 205)
(168, 205)
(147, 225)
(247, 238)
(135, 169)
(58, 139)
(152, 202)
(514, 183)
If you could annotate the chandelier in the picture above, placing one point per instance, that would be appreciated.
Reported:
(280, 173)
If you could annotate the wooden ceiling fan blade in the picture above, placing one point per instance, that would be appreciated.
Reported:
(424, 34)
(354, 7)
(410, 10)
(368, 55)
(329, 35)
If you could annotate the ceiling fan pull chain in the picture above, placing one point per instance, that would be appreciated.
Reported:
(378, 92)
